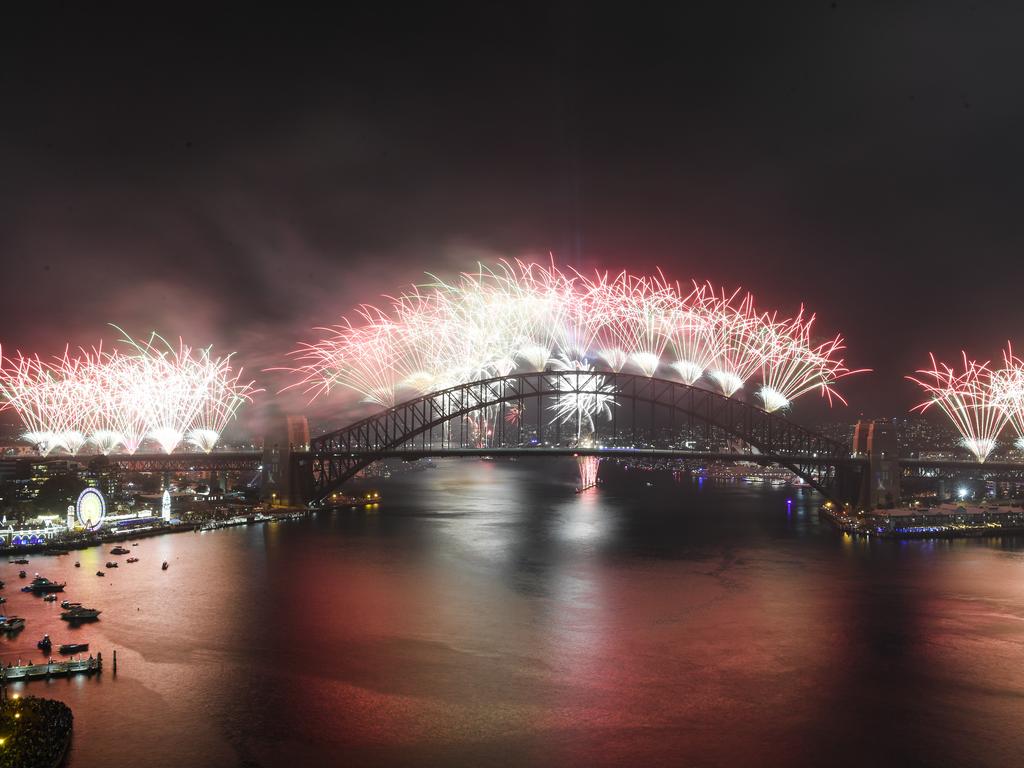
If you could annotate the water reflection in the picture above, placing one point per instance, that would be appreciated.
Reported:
(488, 614)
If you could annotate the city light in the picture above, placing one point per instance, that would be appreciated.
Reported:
(533, 317)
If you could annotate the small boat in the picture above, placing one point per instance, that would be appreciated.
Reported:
(3, 599)
(22, 575)
(77, 564)
(1, 584)
(20, 561)
(135, 543)
(119, 551)
(164, 566)
(45, 644)
(111, 564)
(49, 598)
(67, 603)
(80, 613)
(73, 648)
(12, 624)
(132, 560)
(100, 573)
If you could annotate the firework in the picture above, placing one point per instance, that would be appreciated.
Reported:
(792, 367)
(968, 399)
(529, 316)
(588, 468)
(1008, 391)
(114, 399)
(583, 397)
(689, 332)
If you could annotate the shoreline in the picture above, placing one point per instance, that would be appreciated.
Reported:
(57, 547)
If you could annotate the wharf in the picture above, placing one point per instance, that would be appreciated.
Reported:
(52, 668)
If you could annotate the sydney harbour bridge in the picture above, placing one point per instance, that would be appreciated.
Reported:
(646, 419)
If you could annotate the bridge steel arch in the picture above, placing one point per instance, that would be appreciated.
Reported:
(436, 424)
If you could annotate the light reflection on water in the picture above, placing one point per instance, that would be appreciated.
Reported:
(487, 614)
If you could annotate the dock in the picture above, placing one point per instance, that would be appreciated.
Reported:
(79, 666)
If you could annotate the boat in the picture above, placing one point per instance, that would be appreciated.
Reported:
(80, 613)
(135, 543)
(3, 599)
(45, 644)
(119, 551)
(42, 584)
(67, 604)
(100, 573)
(11, 623)
(50, 598)
(67, 648)
(20, 561)
(132, 560)
(164, 566)
(111, 564)
(77, 564)
(22, 575)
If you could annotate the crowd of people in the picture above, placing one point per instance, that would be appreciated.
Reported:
(34, 732)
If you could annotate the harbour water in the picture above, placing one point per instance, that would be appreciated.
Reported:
(488, 615)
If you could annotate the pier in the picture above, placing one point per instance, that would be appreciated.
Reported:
(51, 668)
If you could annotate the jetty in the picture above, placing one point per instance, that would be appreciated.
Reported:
(52, 668)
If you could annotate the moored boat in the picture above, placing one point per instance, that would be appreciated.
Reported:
(42, 584)
(11, 623)
(67, 648)
(80, 613)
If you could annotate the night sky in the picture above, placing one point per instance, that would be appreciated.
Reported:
(237, 180)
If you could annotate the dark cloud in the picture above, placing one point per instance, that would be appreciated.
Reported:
(238, 180)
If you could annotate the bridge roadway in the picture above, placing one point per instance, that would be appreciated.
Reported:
(411, 454)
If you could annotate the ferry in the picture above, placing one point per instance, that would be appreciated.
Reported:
(119, 551)
(11, 623)
(68, 648)
(80, 613)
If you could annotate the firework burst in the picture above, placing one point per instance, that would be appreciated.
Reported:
(115, 400)
(529, 316)
(969, 399)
